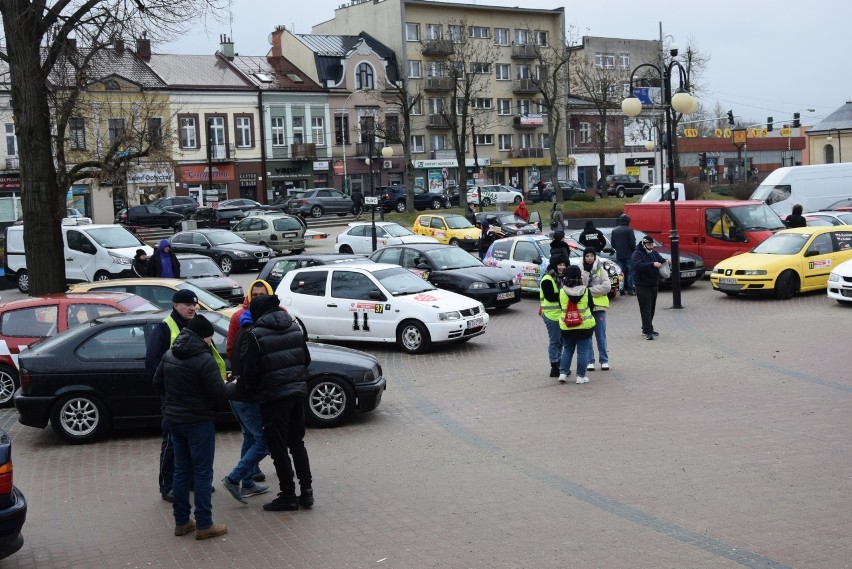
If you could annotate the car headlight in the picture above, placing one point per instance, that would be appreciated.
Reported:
(453, 315)
(833, 277)
(477, 285)
(753, 272)
(241, 254)
(699, 262)
(120, 259)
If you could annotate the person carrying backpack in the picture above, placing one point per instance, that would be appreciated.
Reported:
(575, 296)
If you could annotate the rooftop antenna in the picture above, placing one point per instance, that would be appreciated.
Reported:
(231, 17)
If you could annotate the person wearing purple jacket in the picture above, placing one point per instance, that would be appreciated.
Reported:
(163, 263)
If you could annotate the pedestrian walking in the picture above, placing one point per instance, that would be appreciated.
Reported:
(600, 285)
(522, 211)
(623, 240)
(357, 203)
(592, 237)
(190, 378)
(647, 263)
(163, 263)
(796, 219)
(550, 309)
(274, 359)
(140, 263)
(578, 336)
(557, 218)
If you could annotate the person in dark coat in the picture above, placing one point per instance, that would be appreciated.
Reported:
(647, 263)
(470, 213)
(796, 219)
(592, 237)
(140, 263)
(274, 360)
(558, 246)
(163, 263)
(357, 203)
(485, 240)
(623, 240)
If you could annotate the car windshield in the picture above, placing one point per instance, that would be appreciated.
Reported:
(115, 237)
(510, 219)
(452, 258)
(197, 268)
(138, 304)
(783, 244)
(395, 230)
(399, 281)
(756, 217)
(223, 238)
(457, 222)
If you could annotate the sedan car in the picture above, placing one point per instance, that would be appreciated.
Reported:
(148, 216)
(358, 237)
(279, 232)
(569, 189)
(92, 379)
(159, 292)
(378, 302)
(506, 223)
(13, 504)
(276, 268)
(450, 268)
(206, 274)
(240, 203)
(450, 229)
(840, 283)
(229, 250)
(28, 320)
(392, 198)
(319, 201)
(789, 262)
(494, 194)
(210, 218)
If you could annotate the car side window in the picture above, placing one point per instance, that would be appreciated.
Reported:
(337, 195)
(79, 242)
(159, 295)
(842, 240)
(323, 194)
(81, 313)
(438, 223)
(500, 249)
(35, 322)
(311, 283)
(116, 343)
(391, 256)
(525, 252)
(358, 231)
(822, 244)
(717, 224)
(182, 238)
(281, 268)
(351, 285)
(198, 239)
(381, 233)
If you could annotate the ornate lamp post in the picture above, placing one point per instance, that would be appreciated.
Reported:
(386, 152)
(681, 102)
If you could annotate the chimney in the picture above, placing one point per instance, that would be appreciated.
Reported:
(118, 44)
(226, 46)
(275, 40)
(143, 48)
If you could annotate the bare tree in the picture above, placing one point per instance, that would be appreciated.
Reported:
(695, 62)
(406, 97)
(40, 42)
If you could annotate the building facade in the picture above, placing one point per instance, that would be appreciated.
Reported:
(829, 138)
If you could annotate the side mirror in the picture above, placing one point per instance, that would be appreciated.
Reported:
(609, 250)
(536, 261)
(423, 266)
(811, 253)
(375, 295)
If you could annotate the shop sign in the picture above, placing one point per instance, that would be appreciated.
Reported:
(248, 180)
(286, 173)
(532, 120)
(321, 166)
(199, 173)
(150, 177)
(10, 182)
(446, 163)
(638, 162)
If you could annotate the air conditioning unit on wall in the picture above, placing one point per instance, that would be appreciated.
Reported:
(387, 164)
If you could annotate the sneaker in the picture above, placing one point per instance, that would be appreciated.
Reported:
(282, 503)
(213, 531)
(581, 379)
(655, 333)
(186, 528)
(259, 476)
(563, 377)
(649, 336)
(168, 496)
(605, 366)
(306, 500)
(234, 489)
(255, 490)
(590, 367)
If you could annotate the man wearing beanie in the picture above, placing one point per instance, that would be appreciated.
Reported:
(646, 264)
(190, 378)
(600, 285)
(551, 312)
(274, 360)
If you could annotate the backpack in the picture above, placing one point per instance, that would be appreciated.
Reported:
(572, 318)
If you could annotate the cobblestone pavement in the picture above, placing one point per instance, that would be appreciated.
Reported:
(725, 442)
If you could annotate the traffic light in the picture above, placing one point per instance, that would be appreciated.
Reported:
(731, 118)
(769, 124)
(702, 159)
(796, 122)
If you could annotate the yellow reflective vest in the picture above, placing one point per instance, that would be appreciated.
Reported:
(217, 357)
(550, 310)
(582, 306)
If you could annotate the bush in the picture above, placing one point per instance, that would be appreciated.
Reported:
(582, 198)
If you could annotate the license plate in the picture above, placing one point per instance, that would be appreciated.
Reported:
(262, 260)
(475, 322)
(727, 281)
(290, 235)
(688, 274)
(505, 295)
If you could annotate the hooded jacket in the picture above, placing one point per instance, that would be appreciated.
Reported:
(646, 274)
(234, 324)
(598, 281)
(155, 262)
(623, 239)
(578, 294)
(592, 237)
(522, 211)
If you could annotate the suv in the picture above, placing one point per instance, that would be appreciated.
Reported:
(183, 205)
(621, 185)
(392, 198)
(569, 189)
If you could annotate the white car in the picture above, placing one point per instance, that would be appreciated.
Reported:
(378, 302)
(358, 237)
(840, 283)
(494, 194)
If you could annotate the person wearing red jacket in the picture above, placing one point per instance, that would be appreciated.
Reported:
(522, 211)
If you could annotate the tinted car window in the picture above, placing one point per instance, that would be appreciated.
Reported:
(117, 343)
(182, 238)
(35, 322)
(286, 224)
(348, 284)
(310, 282)
(500, 250)
(81, 313)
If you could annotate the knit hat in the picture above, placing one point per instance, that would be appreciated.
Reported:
(139, 253)
(590, 251)
(555, 261)
(573, 276)
(201, 326)
(559, 235)
(184, 296)
(260, 305)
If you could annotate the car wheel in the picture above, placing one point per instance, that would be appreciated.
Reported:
(486, 202)
(101, 276)
(518, 199)
(316, 212)
(330, 401)
(23, 281)
(297, 251)
(8, 384)
(436, 203)
(454, 242)
(786, 285)
(79, 418)
(346, 249)
(400, 207)
(413, 337)
(620, 192)
(226, 264)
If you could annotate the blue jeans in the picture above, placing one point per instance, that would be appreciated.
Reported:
(254, 447)
(627, 268)
(583, 346)
(554, 338)
(600, 336)
(195, 444)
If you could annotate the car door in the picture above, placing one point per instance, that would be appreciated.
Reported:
(816, 262)
(526, 263)
(243, 229)
(81, 262)
(356, 306)
(307, 299)
(422, 226)
(439, 229)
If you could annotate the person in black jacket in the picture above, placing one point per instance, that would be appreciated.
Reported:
(796, 219)
(140, 263)
(623, 240)
(470, 213)
(275, 361)
(592, 237)
(190, 378)
(357, 203)
(647, 263)
(558, 246)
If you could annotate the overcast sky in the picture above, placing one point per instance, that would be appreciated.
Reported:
(766, 58)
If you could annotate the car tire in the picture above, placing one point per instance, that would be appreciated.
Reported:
(8, 384)
(101, 276)
(413, 337)
(436, 203)
(22, 279)
(316, 212)
(297, 251)
(486, 202)
(454, 242)
(786, 285)
(226, 264)
(399, 206)
(79, 418)
(330, 401)
(619, 192)
(518, 199)
(346, 250)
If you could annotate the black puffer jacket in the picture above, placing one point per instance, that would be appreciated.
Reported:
(275, 358)
(190, 381)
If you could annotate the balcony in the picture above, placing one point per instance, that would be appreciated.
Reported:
(221, 152)
(438, 84)
(364, 149)
(526, 51)
(528, 122)
(525, 85)
(304, 151)
(437, 47)
(530, 153)
(437, 121)
(13, 163)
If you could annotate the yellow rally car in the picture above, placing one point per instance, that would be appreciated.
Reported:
(791, 261)
(451, 229)
(160, 292)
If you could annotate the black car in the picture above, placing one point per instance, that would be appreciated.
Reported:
(204, 273)
(451, 268)
(92, 378)
(13, 505)
(506, 223)
(569, 188)
(148, 216)
(274, 270)
(210, 218)
(392, 198)
(622, 185)
(183, 205)
(229, 250)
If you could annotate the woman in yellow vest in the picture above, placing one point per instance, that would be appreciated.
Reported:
(577, 337)
(550, 310)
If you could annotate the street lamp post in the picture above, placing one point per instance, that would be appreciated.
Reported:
(681, 102)
(829, 139)
(386, 152)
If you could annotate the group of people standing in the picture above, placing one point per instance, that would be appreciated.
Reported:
(163, 263)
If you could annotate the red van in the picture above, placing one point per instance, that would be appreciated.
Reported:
(711, 229)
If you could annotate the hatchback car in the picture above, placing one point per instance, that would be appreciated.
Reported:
(358, 237)
(13, 504)
(229, 250)
(507, 224)
(205, 273)
(494, 194)
(833, 217)
(183, 205)
(276, 268)
(450, 229)
(92, 379)
(318, 202)
(378, 302)
(148, 216)
(450, 268)
(789, 262)
(569, 189)
(279, 232)
(159, 292)
(840, 283)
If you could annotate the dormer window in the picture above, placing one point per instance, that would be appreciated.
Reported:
(364, 77)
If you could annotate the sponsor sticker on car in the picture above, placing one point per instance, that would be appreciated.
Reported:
(821, 264)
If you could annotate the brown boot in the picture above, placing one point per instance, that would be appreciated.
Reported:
(213, 531)
(186, 528)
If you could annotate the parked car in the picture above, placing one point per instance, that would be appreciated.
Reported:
(506, 224)
(28, 320)
(840, 283)
(378, 302)
(813, 221)
(833, 217)
(13, 504)
(318, 202)
(569, 189)
(239, 203)
(494, 194)
(74, 217)
(210, 218)
(148, 216)
(183, 205)
(206, 274)
(229, 250)
(621, 185)
(92, 379)
(358, 237)
(279, 232)
(451, 268)
(450, 229)
(392, 198)
(276, 268)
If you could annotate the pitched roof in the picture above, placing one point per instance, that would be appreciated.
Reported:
(330, 49)
(277, 75)
(198, 72)
(841, 119)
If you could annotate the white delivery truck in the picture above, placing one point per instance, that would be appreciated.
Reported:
(814, 187)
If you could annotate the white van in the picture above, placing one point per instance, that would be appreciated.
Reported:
(814, 187)
(657, 193)
(92, 253)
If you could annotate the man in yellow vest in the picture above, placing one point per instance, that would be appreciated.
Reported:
(162, 337)
(579, 337)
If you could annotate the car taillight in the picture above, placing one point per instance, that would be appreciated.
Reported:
(24, 377)
(123, 216)
(303, 202)
(6, 479)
